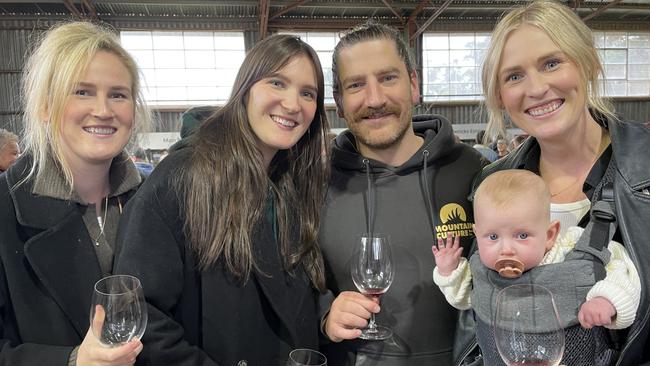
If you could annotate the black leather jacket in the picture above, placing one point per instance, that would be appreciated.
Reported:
(629, 143)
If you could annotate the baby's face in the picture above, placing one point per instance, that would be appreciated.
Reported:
(514, 238)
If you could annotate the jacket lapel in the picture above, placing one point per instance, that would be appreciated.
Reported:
(65, 262)
(58, 249)
(274, 282)
(628, 144)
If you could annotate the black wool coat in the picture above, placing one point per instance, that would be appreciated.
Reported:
(207, 317)
(48, 268)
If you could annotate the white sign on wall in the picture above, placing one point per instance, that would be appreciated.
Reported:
(157, 140)
(468, 131)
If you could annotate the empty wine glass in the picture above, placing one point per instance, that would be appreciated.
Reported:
(306, 357)
(527, 327)
(119, 300)
(372, 273)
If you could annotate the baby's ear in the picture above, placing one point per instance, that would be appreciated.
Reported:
(552, 233)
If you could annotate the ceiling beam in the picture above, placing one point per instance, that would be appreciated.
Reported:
(601, 10)
(393, 10)
(411, 25)
(323, 24)
(90, 8)
(575, 4)
(264, 17)
(417, 10)
(430, 20)
(287, 9)
(72, 8)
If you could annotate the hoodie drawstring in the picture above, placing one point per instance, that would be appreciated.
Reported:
(370, 202)
(427, 196)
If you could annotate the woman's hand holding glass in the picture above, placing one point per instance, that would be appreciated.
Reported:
(93, 353)
(118, 320)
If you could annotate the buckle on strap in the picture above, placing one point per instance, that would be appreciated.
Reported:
(602, 212)
(598, 233)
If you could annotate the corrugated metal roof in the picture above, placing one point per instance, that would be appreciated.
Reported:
(328, 9)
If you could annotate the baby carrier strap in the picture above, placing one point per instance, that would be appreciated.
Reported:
(602, 224)
(593, 242)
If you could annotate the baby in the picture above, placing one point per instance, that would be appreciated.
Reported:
(514, 234)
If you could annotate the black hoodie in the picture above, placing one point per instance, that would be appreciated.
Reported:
(411, 203)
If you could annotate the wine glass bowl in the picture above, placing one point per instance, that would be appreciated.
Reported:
(306, 357)
(527, 327)
(118, 302)
(372, 274)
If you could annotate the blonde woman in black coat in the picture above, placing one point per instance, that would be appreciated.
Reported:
(60, 203)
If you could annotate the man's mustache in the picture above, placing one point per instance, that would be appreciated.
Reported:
(372, 112)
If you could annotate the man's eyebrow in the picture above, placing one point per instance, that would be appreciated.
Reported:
(387, 70)
(384, 71)
(352, 78)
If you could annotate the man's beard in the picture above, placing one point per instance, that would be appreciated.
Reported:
(381, 142)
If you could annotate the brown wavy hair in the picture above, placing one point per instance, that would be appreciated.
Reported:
(225, 187)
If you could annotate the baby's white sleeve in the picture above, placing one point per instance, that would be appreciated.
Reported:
(456, 287)
(621, 286)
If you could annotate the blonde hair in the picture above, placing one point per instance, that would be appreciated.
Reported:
(51, 74)
(567, 31)
(509, 185)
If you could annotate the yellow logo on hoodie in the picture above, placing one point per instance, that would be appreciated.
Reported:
(454, 221)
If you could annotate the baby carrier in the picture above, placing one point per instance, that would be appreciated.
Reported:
(568, 281)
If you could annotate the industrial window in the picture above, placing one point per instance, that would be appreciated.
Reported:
(323, 43)
(626, 59)
(451, 64)
(186, 68)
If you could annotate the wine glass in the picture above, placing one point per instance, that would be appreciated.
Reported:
(119, 300)
(372, 273)
(306, 357)
(527, 327)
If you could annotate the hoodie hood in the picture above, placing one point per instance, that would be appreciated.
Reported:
(438, 138)
(438, 142)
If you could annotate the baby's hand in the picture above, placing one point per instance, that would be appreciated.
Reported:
(596, 312)
(447, 254)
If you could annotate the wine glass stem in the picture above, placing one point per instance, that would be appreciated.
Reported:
(372, 326)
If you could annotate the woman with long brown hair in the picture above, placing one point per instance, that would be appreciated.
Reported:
(223, 233)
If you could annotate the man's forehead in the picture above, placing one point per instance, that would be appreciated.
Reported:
(368, 56)
(384, 45)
